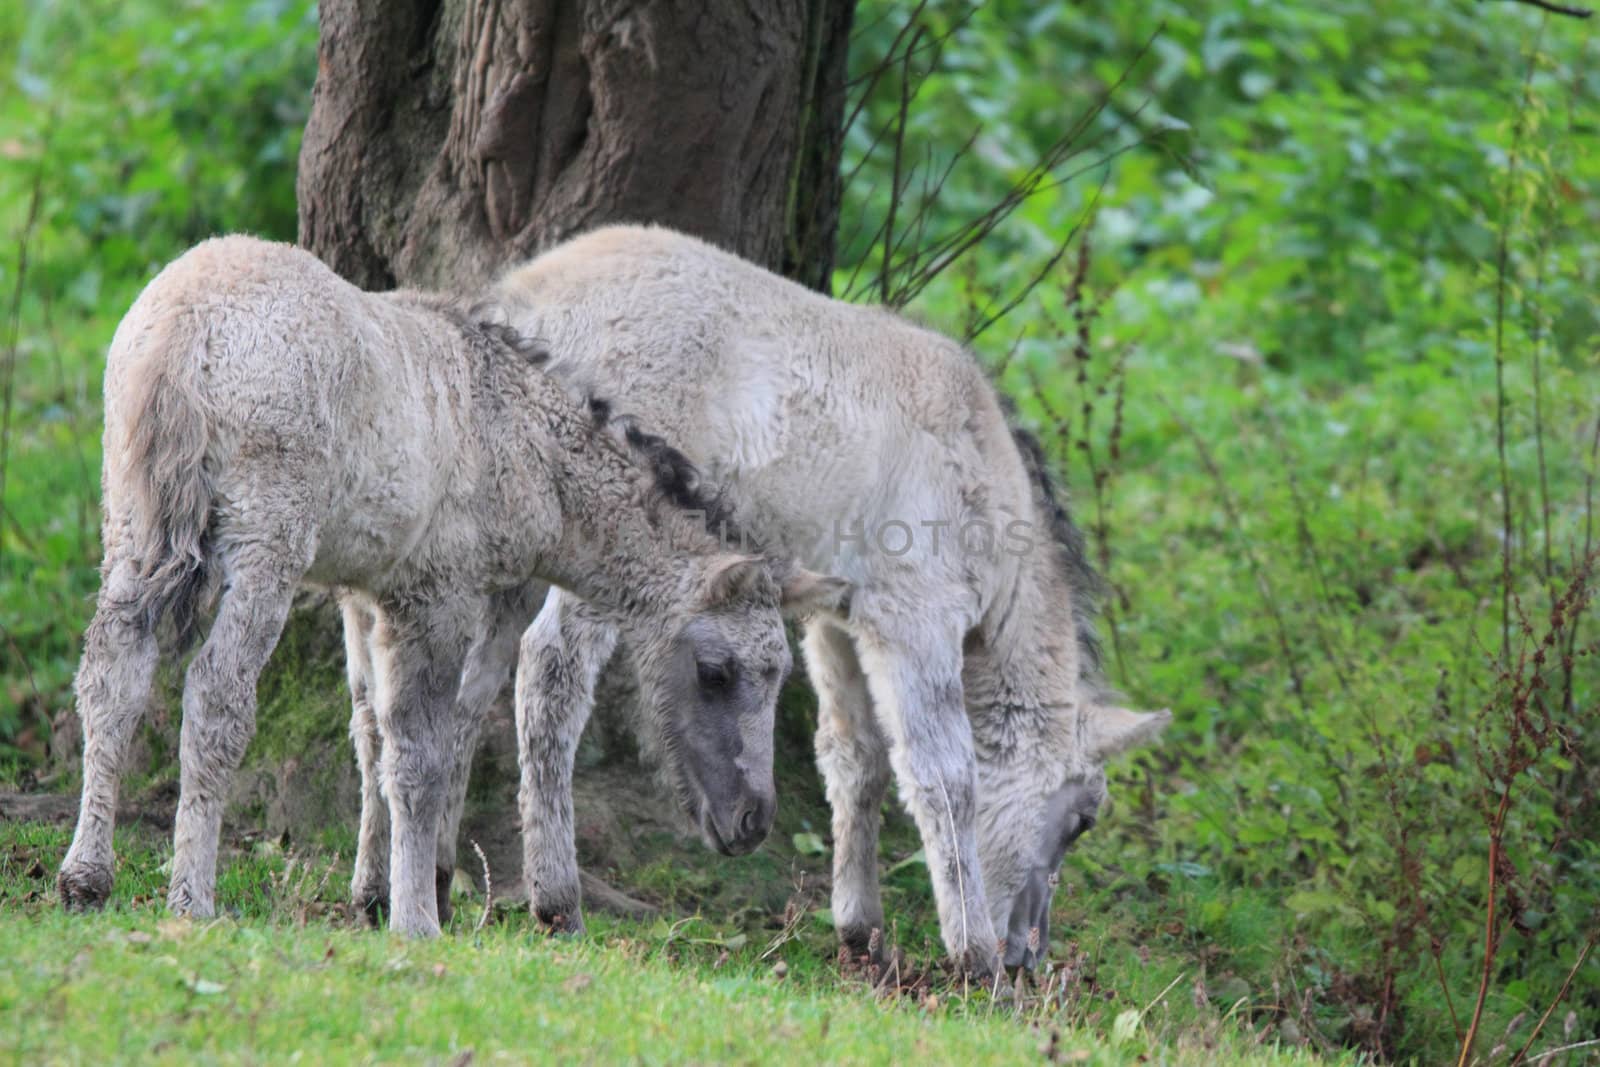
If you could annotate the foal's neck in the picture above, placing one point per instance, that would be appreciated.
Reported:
(1023, 664)
(622, 545)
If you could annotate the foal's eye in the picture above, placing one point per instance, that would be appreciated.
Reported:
(1076, 828)
(715, 676)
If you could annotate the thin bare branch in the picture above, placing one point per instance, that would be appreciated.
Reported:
(1555, 9)
(1337, 660)
(906, 268)
(1561, 994)
(930, 261)
(885, 276)
(1502, 272)
(872, 77)
(1032, 283)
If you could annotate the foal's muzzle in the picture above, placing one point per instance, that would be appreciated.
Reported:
(742, 829)
(1028, 933)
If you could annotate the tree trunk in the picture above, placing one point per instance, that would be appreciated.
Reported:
(449, 138)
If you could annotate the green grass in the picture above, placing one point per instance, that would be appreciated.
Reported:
(291, 974)
(1290, 474)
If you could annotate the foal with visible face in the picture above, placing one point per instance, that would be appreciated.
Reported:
(268, 424)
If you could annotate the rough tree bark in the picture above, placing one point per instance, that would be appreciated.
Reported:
(448, 138)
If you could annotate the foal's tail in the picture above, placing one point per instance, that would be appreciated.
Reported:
(158, 491)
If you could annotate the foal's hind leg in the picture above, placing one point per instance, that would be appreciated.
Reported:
(119, 660)
(854, 759)
(219, 716)
(562, 654)
(369, 883)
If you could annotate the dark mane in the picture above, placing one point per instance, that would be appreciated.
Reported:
(482, 321)
(1072, 551)
(487, 320)
(506, 336)
(676, 479)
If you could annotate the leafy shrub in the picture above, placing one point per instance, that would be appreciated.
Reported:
(1276, 387)
(130, 132)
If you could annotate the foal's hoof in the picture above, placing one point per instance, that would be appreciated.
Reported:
(418, 928)
(372, 899)
(863, 944)
(83, 888)
(375, 906)
(184, 901)
(560, 923)
(984, 973)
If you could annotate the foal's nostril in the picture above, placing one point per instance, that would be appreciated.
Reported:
(750, 826)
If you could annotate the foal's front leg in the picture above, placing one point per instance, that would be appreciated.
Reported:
(490, 657)
(913, 670)
(562, 655)
(489, 663)
(417, 656)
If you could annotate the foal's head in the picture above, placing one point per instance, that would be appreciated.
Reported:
(1033, 808)
(709, 683)
(1044, 789)
(711, 669)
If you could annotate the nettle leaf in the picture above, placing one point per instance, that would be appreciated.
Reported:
(1315, 901)
(917, 858)
(809, 844)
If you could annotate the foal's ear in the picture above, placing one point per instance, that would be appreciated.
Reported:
(809, 593)
(1114, 730)
(731, 576)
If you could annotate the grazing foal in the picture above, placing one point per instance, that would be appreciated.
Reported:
(268, 425)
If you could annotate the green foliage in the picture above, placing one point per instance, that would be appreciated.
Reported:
(1272, 387)
(128, 131)
(1280, 424)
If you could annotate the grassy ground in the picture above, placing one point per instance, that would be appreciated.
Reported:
(292, 974)
(1322, 386)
